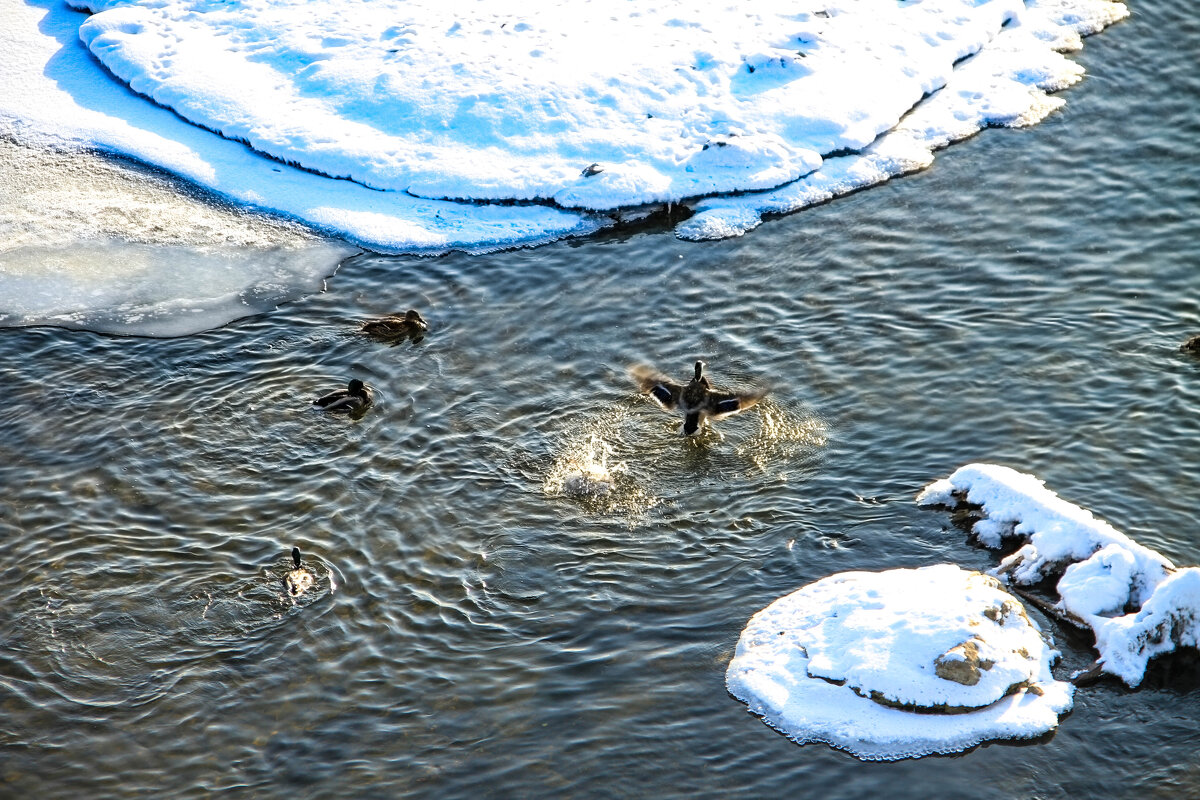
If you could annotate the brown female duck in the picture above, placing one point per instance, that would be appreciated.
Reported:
(395, 326)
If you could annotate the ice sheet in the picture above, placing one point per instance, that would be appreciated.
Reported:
(88, 242)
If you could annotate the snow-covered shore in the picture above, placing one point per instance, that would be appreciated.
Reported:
(373, 114)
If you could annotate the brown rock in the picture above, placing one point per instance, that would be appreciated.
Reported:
(962, 664)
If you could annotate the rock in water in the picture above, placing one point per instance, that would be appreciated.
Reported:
(898, 664)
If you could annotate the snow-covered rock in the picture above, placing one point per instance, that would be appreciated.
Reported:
(1101, 573)
(899, 664)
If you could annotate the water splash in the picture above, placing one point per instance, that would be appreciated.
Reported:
(586, 471)
(784, 434)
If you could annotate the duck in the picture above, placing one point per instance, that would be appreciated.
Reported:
(697, 400)
(300, 579)
(356, 398)
(395, 326)
(1191, 346)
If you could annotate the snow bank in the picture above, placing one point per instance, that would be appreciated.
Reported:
(513, 100)
(1101, 573)
(899, 664)
(1004, 85)
(55, 93)
(416, 101)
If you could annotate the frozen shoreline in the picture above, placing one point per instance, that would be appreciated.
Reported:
(750, 121)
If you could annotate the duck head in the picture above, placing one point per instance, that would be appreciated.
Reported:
(296, 557)
(356, 388)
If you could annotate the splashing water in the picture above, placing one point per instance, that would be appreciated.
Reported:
(783, 435)
(594, 476)
(584, 471)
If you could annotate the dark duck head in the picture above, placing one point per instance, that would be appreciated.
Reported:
(697, 400)
(299, 580)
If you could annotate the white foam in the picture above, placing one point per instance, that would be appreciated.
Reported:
(831, 661)
(1101, 572)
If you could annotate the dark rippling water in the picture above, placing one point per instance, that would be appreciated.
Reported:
(475, 632)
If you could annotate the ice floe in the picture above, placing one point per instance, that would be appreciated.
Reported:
(414, 102)
(1135, 601)
(86, 242)
(899, 664)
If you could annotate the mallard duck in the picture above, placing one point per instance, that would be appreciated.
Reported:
(395, 326)
(355, 398)
(300, 579)
(1192, 346)
(698, 401)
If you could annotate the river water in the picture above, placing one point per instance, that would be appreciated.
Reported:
(475, 631)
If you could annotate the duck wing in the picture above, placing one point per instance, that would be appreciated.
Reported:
(725, 404)
(326, 400)
(347, 404)
(338, 401)
(665, 391)
(385, 326)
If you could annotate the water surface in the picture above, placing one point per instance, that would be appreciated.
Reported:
(476, 633)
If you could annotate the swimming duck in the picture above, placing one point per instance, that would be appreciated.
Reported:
(300, 579)
(697, 400)
(1192, 345)
(395, 326)
(354, 399)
